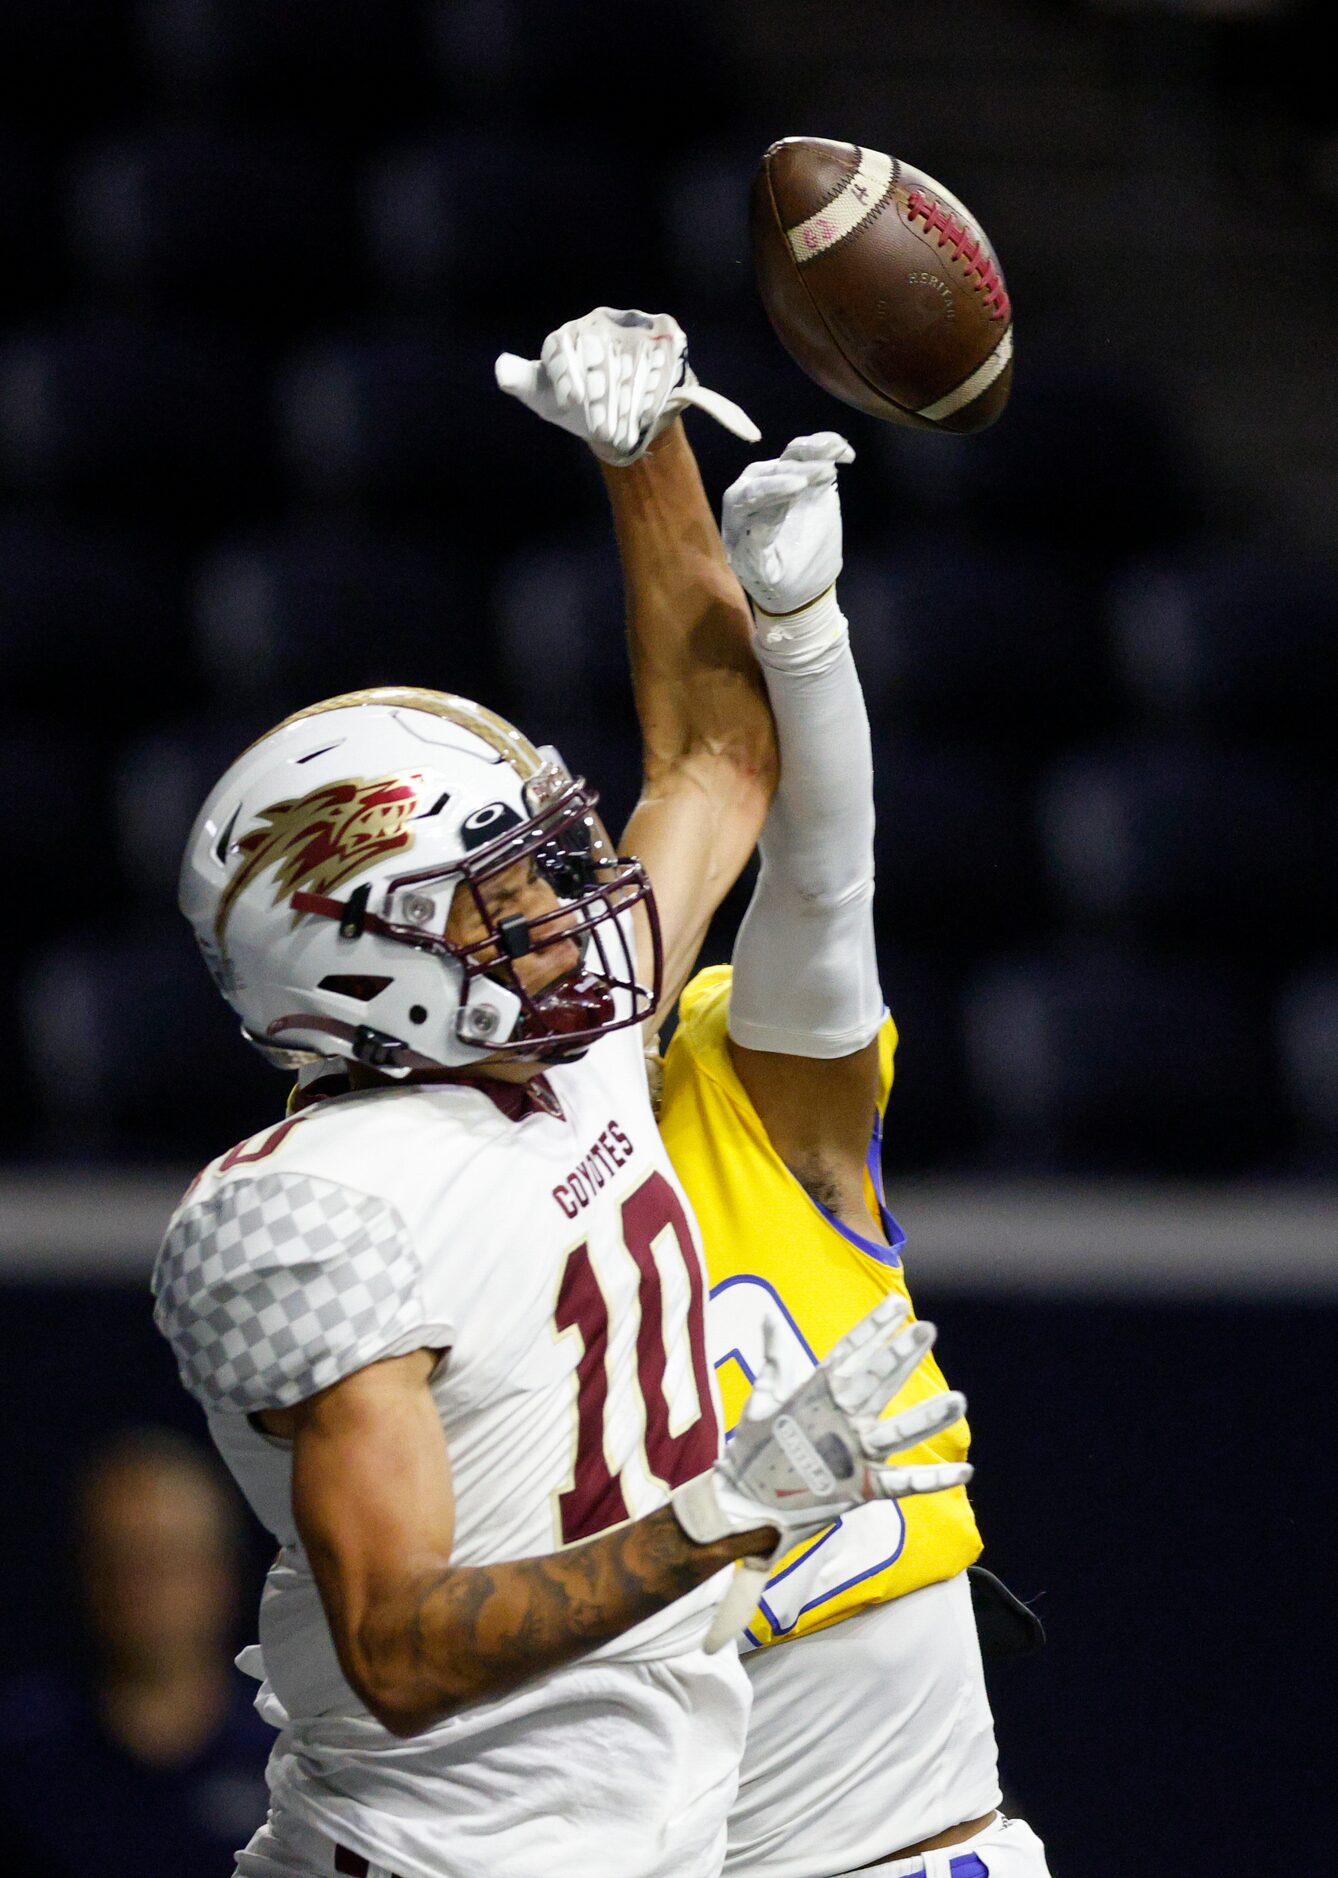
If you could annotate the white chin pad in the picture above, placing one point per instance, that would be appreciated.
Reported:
(487, 1017)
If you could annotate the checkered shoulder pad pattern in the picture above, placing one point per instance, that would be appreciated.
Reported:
(275, 1287)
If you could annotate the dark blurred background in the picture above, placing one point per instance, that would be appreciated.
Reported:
(260, 256)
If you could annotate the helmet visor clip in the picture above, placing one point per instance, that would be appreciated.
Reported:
(352, 925)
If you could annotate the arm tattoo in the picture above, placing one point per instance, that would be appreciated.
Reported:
(478, 1631)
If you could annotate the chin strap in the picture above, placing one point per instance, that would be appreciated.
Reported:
(366, 1045)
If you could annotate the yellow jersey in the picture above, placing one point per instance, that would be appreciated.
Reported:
(774, 1253)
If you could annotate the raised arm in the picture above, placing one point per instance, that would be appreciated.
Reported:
(805, 1006)
(420, 1638)
(618, 381)
(708, 742)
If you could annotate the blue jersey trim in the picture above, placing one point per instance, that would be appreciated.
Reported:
(748, 1278)
(783, 1630)
(749, 1640)
(873, 1160)
(889, 1254)
(737, 1356)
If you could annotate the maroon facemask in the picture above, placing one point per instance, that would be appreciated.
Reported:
(594, 888)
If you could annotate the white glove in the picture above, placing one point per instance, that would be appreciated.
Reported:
(799, 1464)
(781, 524)
(616, 379)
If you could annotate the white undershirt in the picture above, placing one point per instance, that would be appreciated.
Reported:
(868, 1736)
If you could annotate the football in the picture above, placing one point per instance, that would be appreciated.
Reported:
(881, 285)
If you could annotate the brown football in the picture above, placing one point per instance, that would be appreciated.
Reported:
(881, 285)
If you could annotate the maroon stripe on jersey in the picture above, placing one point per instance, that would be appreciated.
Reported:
(594, 1501)
(646, 1214)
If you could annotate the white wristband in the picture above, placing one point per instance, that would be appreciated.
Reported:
(801, 640)
(697, 1510)
(708, 1508)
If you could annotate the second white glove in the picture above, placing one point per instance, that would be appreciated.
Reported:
(799, 1464)
(781, 524)
(615, 378)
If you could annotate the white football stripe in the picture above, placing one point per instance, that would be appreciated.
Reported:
(970, 388)
(851, 205)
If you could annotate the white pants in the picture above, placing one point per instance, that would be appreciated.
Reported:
(1008, 1848)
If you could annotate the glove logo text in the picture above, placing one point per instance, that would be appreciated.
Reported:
(802, 1455)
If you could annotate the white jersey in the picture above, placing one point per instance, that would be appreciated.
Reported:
(872, 1734)
(549, 1252)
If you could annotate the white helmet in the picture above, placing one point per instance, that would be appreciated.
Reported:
(403, 796)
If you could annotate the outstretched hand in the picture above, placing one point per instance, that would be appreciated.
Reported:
(799, 1464)
(781, 523)
(615, 378)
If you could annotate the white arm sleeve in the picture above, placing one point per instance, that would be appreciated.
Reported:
(805, 969)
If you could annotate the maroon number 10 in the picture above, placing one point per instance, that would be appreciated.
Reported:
(595, 1500)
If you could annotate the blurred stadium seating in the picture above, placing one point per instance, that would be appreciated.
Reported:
(260, 258)
(1092, 1059)
(254, 228)
(1230, 638)
(121, 413)
(1163, 839)
(130, 1046)
(434, 233)
(1307, 1044)
(312, 609)
(251, 453)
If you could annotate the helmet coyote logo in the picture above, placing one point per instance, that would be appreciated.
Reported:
(325, 838)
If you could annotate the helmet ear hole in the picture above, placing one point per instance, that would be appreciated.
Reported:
(417, 1014)
(360, 985)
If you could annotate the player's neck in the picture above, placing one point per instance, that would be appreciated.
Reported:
(505, 1069)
